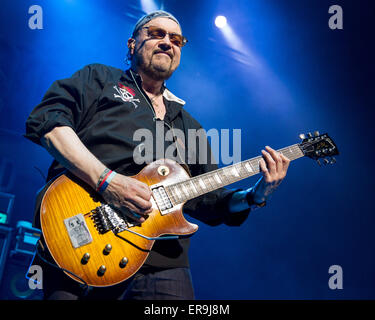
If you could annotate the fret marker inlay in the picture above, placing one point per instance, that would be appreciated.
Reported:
(217, 178)
(185, 190)
(202, 184)
(235, 172)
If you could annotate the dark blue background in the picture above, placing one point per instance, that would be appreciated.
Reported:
(307, 77)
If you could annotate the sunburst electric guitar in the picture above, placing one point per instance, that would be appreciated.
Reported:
(96, 245)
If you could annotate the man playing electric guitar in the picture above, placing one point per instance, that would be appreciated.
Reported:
(87, 123)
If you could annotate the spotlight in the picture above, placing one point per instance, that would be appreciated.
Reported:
(149, 6)
(220, 22)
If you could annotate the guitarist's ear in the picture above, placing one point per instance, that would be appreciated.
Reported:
(131, 45)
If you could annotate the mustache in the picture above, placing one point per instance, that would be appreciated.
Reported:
(162, 51)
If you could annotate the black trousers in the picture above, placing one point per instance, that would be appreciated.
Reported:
(148, 283)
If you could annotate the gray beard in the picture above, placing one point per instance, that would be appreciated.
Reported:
(153, 72)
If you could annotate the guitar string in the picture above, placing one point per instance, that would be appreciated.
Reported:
(208, 177)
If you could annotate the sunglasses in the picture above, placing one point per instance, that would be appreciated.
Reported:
(159, 33)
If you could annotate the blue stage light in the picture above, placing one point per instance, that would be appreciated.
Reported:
(149, 6)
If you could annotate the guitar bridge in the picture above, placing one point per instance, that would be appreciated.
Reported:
(107, 219)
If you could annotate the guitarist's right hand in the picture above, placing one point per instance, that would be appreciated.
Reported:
(128, 193)
(123, 192)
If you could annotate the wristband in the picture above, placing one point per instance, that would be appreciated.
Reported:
(101, 178)
(104, 180)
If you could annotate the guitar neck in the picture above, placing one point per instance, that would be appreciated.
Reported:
(194, 187)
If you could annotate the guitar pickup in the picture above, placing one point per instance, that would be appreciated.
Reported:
(162, 199)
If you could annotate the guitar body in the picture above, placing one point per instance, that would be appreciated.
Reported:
(66, 198)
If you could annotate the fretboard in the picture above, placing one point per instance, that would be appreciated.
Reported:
(194, 187)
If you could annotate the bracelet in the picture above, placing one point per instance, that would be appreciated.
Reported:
(104, 180)
(102, 176)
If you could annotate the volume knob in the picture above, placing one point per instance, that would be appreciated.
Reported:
(107, 248)
(85, 258)
(123, 262)
(102, 269)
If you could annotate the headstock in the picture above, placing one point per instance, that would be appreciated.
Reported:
(319, 146)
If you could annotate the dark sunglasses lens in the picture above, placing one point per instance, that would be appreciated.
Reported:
(176, 39)
(156, 33)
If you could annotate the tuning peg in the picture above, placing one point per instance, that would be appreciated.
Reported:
(316, 133)
(310, 135)
(333, 160)
(302, 136)
(318, 161)
(326, 161)
(318, 152)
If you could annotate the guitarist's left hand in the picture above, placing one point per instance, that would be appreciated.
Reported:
(273, 167)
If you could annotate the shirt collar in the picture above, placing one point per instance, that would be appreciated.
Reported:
(173, 105)
(129, 74)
